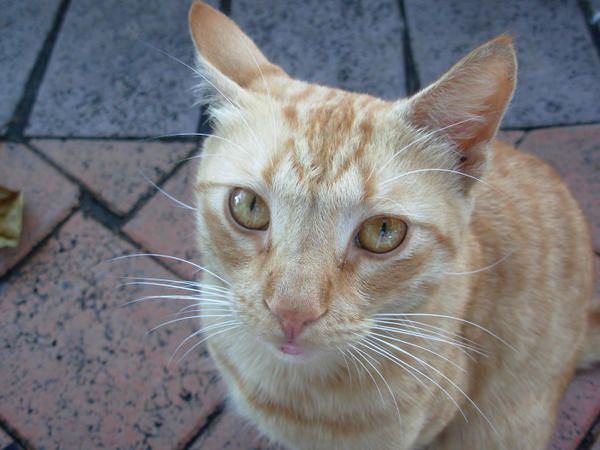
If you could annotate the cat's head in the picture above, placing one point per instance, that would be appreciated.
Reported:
(322, 207)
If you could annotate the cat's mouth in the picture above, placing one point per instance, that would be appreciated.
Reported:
(290, 348)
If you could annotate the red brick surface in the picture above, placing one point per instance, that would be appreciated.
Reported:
(163, 227)
(48, 196)
(114, 170)
(231, 432)
(575, 154)
(78, 370)
(579, 408)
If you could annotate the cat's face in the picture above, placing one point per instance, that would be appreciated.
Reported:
(321, 207)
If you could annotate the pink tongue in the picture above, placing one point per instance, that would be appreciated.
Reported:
(291, 349)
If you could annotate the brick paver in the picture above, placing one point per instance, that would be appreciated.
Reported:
(575, 154)
(78, 370)
(115, 170)
(579, 408)
(558, 63)
(162, 226)
(103, 80)
(48, 196)
(357, 47)
(24, 27)
(231, 432)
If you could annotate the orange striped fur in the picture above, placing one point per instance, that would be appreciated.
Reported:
(497, 257)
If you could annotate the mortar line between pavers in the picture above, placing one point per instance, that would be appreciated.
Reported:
(549, 126)
(588, 11)
(92, 207)
(589, 439)
(411, 76)
(138, 247)
(211, 420)
(167, 139)
(14, 435)
(521, 139)
(89, 200)
(225, 7)
(22, 112)
(151, 192)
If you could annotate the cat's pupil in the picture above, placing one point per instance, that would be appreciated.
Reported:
(383, 229)
(253, 203)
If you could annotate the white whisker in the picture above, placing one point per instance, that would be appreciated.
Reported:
(383, 379)
(174, 258)
(436, 330)
(432, 337)
(428, 351)
(206, 338)
(420, 139)
(193, 298)
(501, 260)
(174, 283)
(369, 374)
(443, 316)
(200, 331)
(207, 135)
(181, 288)
(407, 353)
(166, 194)
(169, 322)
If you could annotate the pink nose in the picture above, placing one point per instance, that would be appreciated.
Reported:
(293, 321)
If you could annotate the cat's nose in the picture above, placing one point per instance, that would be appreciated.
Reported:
(294, 320)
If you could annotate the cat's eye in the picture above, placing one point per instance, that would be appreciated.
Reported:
(381, 234)
(248, 209)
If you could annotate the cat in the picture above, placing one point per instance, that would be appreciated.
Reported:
(385, 274)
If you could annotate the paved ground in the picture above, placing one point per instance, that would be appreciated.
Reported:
(81, 90)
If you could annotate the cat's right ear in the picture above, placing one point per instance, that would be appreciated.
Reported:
(228, 61)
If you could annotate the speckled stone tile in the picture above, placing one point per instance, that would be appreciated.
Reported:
(162, 226)
(352, 44)
(103, 80)
(79, 370)
(231, 432)
(115, 170)
(579, 408)
(48, 197)
(575, 154)
(558, 63)
(24, 26)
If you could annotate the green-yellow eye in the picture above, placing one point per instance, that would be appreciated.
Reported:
(248, 209)
(381, 234)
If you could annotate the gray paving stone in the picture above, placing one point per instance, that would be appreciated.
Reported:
(23, 28)
(559, 81)
(103, 80)
(353, 44)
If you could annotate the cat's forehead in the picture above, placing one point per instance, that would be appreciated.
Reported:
(325, 144)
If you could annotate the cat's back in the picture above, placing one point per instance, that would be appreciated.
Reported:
(536, 238)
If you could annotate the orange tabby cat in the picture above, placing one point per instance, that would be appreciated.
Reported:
(385, 274)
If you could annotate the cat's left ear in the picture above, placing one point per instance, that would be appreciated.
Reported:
(467, 103)
(227, 58)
